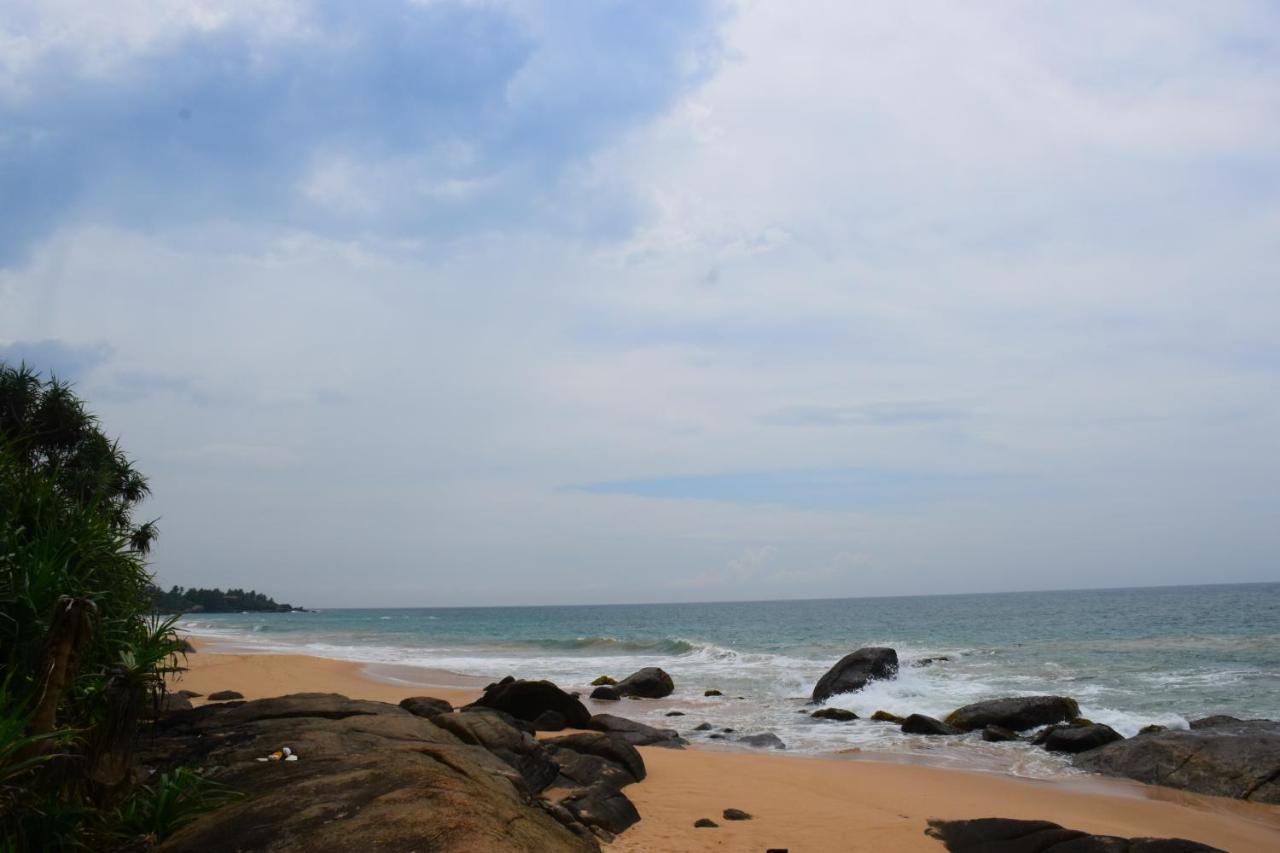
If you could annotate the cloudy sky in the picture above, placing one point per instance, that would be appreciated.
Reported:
(485, 302)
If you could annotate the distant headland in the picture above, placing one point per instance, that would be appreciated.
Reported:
(194, 600)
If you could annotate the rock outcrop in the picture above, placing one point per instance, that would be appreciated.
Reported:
(1037, 836)
(1018, 713)
(1220, 755)
(367, 774)
(648, 683)
(854, 670)
(765, 740)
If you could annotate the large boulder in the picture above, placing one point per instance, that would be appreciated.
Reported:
(605, 693)
(854, 670)
(648, 683)
(1018, 713)
(1221, 756)
(988, 834)
(636, 734)
(367, 774)
(1079, 738)
(527, 700)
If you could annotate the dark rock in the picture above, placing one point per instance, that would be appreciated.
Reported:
(705, 823)
(736, 814)
(767, 740)
(517, 748)
(649, 683)
(611, 747)
(1237, 758)
(716, 736)
(712, 693)
(1018, 713)
(674, 714)
(989, 834)
(426, 706)
(919, 724)
(703, 727)
(190, 694)
(854, 670)
(999, 734)
(930, 661)
(605, 693)
(1152, 729)
(728, 731)
(1219, 720)
(174, 702)
(527, 700)
(223, 695)
(550, 721)
(636, 734)
(604, 679)
(837, 714)
(602, 806)
(886, 717)
(1079, 738)
(369, 770)
(514, 722)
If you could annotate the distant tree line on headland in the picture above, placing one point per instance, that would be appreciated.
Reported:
(180, 600)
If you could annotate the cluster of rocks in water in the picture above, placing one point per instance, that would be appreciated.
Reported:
(1219, 755)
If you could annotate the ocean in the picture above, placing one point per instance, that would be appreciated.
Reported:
(1130, 657)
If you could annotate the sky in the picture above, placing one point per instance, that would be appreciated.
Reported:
(464, 302)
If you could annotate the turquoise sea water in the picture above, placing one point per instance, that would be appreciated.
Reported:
(1129, 656)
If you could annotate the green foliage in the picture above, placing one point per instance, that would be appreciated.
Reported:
(179, 600)
(82, 657)
(155, 810)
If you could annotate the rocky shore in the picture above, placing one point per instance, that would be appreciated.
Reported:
(526, 765)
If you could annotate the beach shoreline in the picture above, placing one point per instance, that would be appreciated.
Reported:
(800, 802)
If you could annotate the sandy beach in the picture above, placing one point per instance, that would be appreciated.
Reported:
(798, 803)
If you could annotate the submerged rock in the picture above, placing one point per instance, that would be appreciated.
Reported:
(648, 683)
(1034, 836)
(527, 700)
(919, 724)
(703, 727)
(712, 692)
(837, 714)
(1221, 756)
(854, 670)
(604, 679)
(1018, 713)
(886, 717)
(999, 734)
(767, 740)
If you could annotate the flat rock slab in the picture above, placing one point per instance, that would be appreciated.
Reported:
(1227, 758)
(369, 775)
(988, 835)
